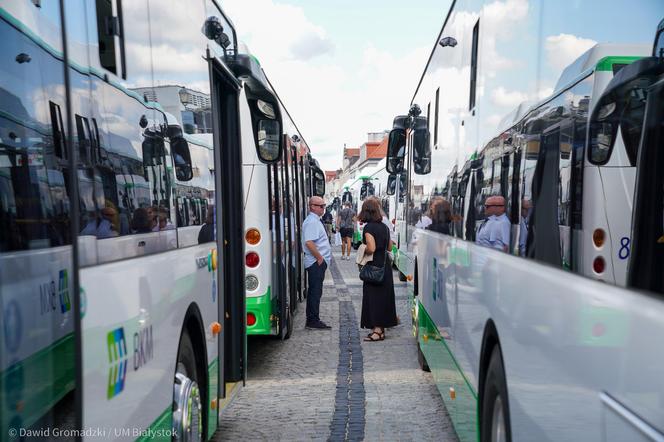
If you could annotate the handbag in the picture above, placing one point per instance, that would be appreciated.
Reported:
(372, 274)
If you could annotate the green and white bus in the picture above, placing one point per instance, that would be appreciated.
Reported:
(543, 341)
(275, 205)
(122, 249)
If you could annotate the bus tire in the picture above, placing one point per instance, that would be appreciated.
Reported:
(187, 419)
(495, 416)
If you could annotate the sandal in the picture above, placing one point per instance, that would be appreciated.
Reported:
(374, 337)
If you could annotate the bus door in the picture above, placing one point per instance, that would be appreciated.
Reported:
(287, 303)
(230, 225)
(296, 213)
(279, 299)
(543, 237)
(292, 227)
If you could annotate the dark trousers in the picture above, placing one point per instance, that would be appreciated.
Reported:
(315, 276)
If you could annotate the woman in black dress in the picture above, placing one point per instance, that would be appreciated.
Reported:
(378, 304)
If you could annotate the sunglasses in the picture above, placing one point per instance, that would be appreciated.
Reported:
(494, 205)
(319, 205)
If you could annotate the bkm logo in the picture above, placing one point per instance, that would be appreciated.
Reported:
(52, 298)
(117, 357)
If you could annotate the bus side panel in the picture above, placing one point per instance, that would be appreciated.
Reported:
(562, 336)
(133, 315)
(439, 259)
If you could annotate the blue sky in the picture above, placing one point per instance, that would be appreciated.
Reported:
(342, 68)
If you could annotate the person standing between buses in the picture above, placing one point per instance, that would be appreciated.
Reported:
(378, 300)
(317, 256)
(346, 224)
(494, 232)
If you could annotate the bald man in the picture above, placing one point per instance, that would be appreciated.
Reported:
(317, 256)
(494, 232)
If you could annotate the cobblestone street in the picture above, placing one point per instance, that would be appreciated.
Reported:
(330, 385)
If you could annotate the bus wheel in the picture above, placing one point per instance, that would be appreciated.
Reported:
(495, 418)
(187, 408)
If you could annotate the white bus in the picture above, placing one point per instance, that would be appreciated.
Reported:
(275, 205)
(526, 344)
(121, 226)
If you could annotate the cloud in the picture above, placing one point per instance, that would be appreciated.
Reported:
(280, 32)
(502, 97)
(563, 49)
(310, 46)
(332, 103)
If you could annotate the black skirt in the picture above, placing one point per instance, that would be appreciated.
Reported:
(378, 303)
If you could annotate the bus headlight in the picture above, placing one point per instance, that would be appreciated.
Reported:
(250, 283)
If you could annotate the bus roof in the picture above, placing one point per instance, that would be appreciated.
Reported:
(599, 57)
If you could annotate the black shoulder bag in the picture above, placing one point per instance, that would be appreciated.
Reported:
(372, 274)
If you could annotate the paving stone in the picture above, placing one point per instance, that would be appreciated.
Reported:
(306, 389)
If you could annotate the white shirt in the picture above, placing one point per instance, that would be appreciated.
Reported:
(494, 232)
(313, 230)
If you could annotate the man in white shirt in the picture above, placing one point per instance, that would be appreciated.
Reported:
(494, 232)
(317, 256)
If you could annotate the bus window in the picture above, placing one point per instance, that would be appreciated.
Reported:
(631, 123)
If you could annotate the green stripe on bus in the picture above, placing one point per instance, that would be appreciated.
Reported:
(262, 308)
(447, 373)
(606, 63)
(213, 388)
(31, 387)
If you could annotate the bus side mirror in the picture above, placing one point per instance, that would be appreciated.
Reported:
(152, 150)
(267, 131)
(391, 184)
(182, 159)
(396, 150)
(421, 147)
(319, 182)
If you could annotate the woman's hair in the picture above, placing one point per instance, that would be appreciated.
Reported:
(370, 211)
(441, 212)
(433, 203)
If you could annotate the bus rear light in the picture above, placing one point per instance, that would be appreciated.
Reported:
(599, 265)
(598, 237)
(251, 283)
(253, 236)
(252, 259)
(251, 319)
